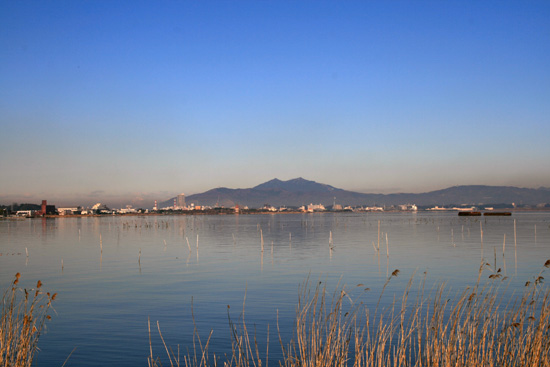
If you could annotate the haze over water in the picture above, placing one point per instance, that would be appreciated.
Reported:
(112, 273)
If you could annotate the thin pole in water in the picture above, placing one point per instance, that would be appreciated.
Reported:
(378, 235)
(515, 248)
(452, 237)
(481, 232)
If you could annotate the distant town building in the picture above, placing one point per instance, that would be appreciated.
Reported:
(180, 201)
(408, 207)
(25, 213)
(69, 211)
(315, 208)
(47, 209)
(127, 210)
(100, 208)
(269, 208)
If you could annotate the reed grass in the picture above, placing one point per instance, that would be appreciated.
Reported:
(22, 320)
(481, 326)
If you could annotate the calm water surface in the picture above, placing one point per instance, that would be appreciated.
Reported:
(112, 273)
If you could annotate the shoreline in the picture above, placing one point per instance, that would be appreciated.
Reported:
(260, 212)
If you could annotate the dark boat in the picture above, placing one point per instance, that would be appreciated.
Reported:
(469, 214)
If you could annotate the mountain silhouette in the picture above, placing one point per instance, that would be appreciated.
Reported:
(299, 191)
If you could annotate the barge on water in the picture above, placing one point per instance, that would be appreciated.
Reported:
(478, 214)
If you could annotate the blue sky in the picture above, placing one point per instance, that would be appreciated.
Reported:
(132, 101)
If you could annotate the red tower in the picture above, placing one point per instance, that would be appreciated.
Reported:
(44, 207)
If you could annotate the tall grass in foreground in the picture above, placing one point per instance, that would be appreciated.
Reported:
(482, 326)
(21, 323)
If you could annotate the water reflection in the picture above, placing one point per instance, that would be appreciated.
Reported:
(111, 273)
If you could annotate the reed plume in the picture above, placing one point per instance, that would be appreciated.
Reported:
(22, 320)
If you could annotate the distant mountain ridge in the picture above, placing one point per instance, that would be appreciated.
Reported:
(297, 185)
(299, 191)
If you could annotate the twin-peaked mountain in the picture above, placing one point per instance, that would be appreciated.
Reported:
(298, 191)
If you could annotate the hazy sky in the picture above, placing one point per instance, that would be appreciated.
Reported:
(131, 101)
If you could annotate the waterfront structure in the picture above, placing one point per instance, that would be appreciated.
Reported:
(69, 211)
(100, 209)
(46, 209)
(315, 208)
(180, 201)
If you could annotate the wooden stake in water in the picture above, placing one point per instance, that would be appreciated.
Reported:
(188, 245)
(481, 232)
(387, 246)
(515, 248)
(504, 244)
(139, 257)
(515, 235)
(27, 252)
(262, 240)
(100, 243)
(378, 237)
(197, 242)
(452, 237)
(234, 241)
(330, 243)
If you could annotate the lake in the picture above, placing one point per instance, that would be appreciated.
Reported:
(113, 273)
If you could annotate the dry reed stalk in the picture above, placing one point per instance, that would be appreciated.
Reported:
(22, 322)
(482, 326)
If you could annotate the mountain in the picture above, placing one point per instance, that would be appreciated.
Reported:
(299, 191)
(296, 185)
